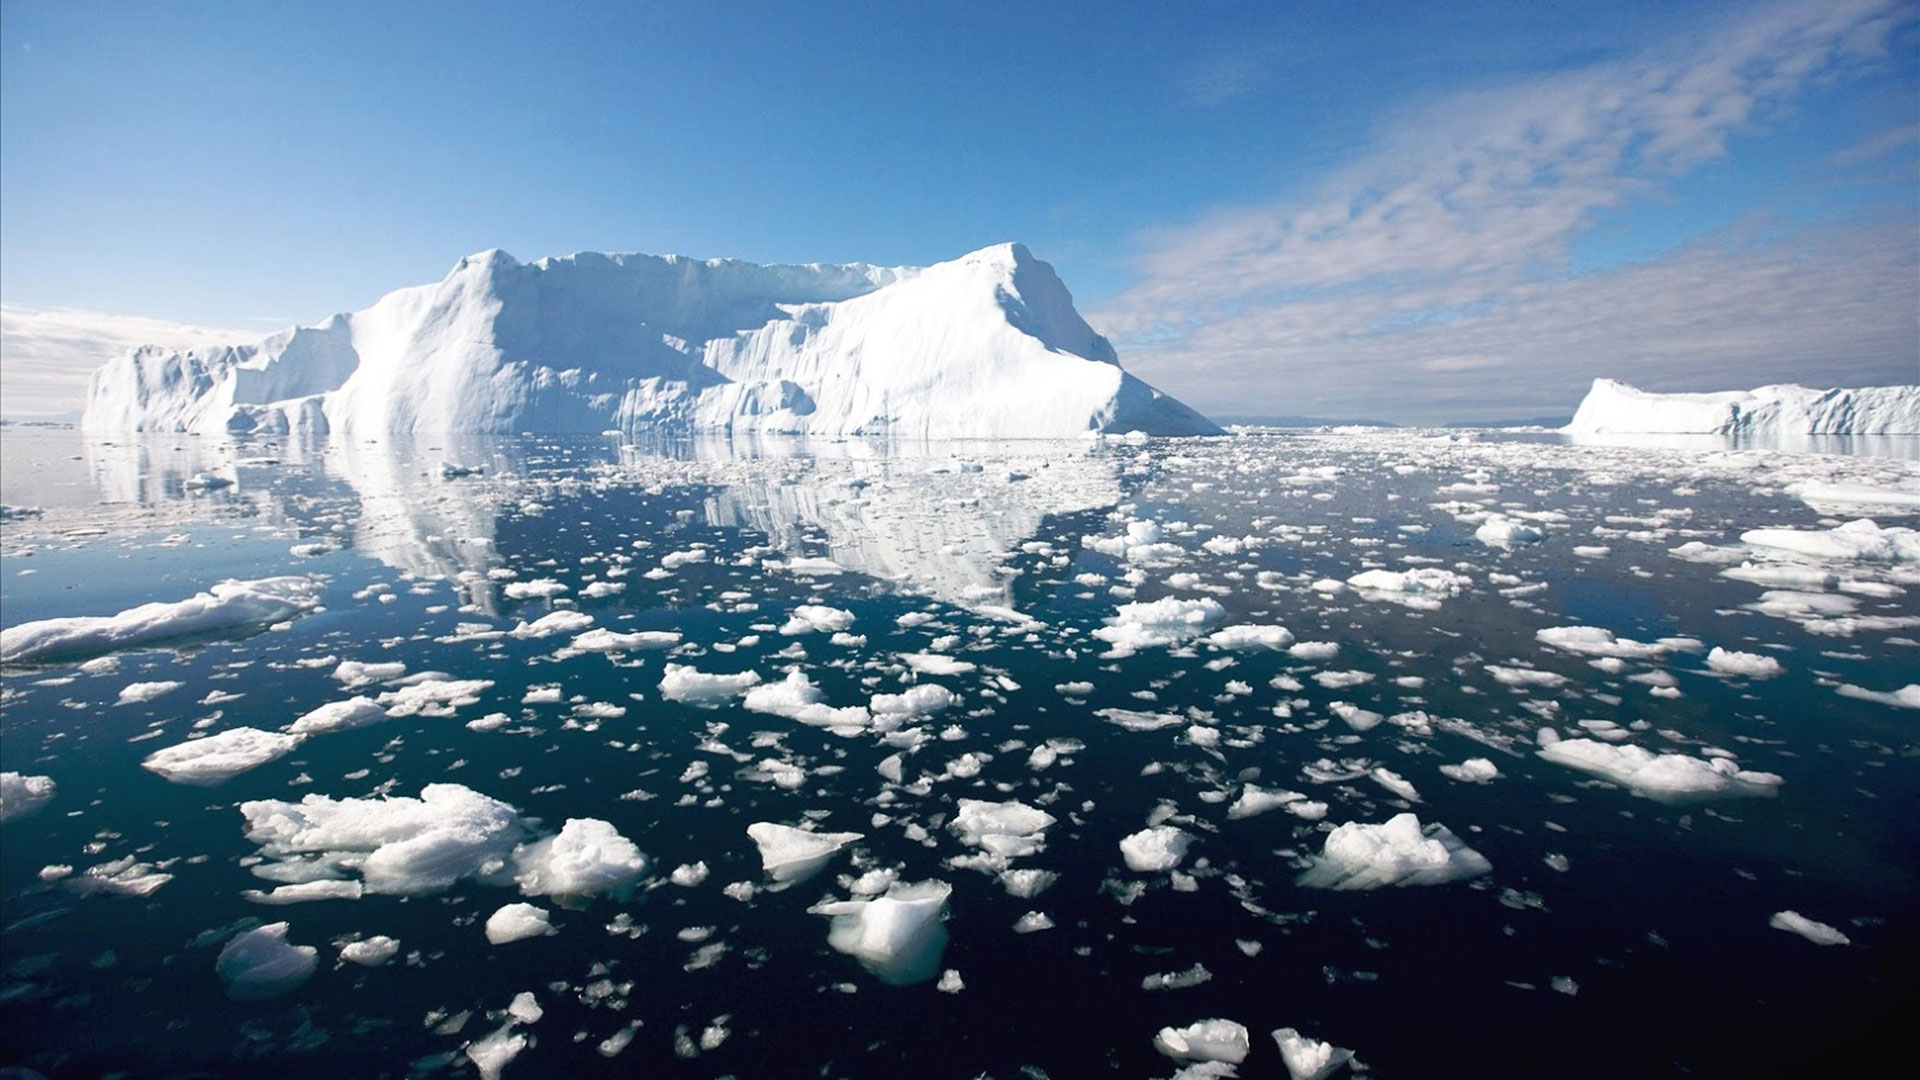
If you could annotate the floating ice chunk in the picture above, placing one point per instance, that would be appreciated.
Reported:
(1833, 498)
(1177, 980)
(683, 683)
(305, 891)
(923, 700)
(1783, 576)
(898, 937)
(1395, 783)
(1661, 777)
(791, 855)
(1003, 831)
(1309, 1059)
(1398, 852)
(259, 963)
(1256, 800)
(525, 1008)
(1471, 771)
(1205, 1040)
(516, 922)
(1155, 849)
(142, 692)
(811, 618)
(355, 712)
(433, 697)
(226, 607)
(564, 621)
(1595, 641)
(1502, 531)
(370, 952)
(354, 673)
(1752, 665)
(491, 1055)
(797, 698)
(937, 664)
(119, 877)
(1354, 716)
(1250, 636)
(220, 757)
(1817, 932)
(1523, 677)
(21, 795)
(1027, 884)
(1907, 697)
(538, 589)
(1135, 720)
(1032, 923)
(1158, 623)
(950, 982)
(400, 846)
(1314, 650)
(1422, 587)
(602, 640)
(1856, 541)
(589, 857)
(688, 875)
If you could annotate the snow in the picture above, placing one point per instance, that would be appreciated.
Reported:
(1154, 849)
(226, 607)
(1752, 665)
(1817, 932)
(517, 922)
(898, 937)
(1205, 1040)
(1615, 407)
(986, 345)
(1862, 540)
(791, 855)
(21, 795)
(589, 857)
(1309, 1059)
(334, 716)
(218, 758)
(370, 952)
(1398, 852)
(1661, 777)
(261, 963)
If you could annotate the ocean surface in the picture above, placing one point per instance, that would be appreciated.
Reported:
(1075, 602)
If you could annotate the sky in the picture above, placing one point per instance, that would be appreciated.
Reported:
(1394, 210)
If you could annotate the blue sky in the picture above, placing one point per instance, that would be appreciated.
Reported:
(1406, 210)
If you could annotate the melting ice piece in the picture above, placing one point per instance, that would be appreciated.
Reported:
(1205, 1040)
(220, 757)
(1817, 932)
(1907, 697)
(517, 922)
(1159, 622)
(1501, 531)
(1597, 641)
(589, 857)
(682, 682)
(1398, 852)
(792, 855)
(898, 937)
(1856, 541)
(1422, 587)
(1152, 850)
(1661, 777)
(1752, 665)
(370, 952)
(22, 795)
(401, 846)
(1250, 636)
(1309, 1059)
(228, 606)
(355, 712)
(259, 963)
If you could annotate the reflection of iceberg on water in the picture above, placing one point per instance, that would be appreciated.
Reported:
(936, 518)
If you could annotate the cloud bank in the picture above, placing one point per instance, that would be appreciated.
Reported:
(1433, 279)
(46, 355)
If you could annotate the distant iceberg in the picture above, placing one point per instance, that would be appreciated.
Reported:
(988, 345)
(1769, 411)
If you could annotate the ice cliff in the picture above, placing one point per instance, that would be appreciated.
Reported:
(987, 345)
(1615, 407)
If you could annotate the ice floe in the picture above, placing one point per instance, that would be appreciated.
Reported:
(1817, 932)
(517, 922)
(1661, 777)
(21, 795)
(899, 937)
(221, 756)
(225, 608)
(261, 963)
(1396, 852)
(790, 855)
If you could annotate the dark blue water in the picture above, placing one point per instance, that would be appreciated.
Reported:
(1660, 917)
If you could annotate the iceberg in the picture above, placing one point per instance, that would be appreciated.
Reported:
(261, 963)
(898, 937)
(988, 345)
(227, 607)
(1612, 407)
(791, 855)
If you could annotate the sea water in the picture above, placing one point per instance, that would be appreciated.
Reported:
(1619, 931)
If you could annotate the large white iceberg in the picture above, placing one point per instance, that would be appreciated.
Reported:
(1615, 408)
(987, 345)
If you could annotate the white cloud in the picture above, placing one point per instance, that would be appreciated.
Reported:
(46, 355)
(1435, 268)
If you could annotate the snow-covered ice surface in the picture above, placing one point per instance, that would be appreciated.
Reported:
(1783, 410)
(757, 756)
